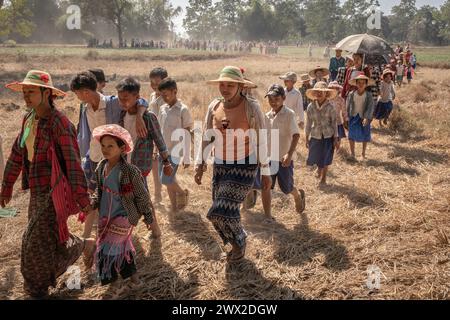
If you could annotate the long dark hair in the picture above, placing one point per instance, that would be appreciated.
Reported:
(51, 97)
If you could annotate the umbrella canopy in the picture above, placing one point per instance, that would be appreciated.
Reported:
(365, 44)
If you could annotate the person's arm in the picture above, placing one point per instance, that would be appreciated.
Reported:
(200, 163)
(308, 126)
(187, 123)
(142, 197)
(11, 173)
(301, 112)
(154, 131)
(141, 128)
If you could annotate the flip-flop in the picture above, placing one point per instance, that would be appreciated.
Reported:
(270, 220)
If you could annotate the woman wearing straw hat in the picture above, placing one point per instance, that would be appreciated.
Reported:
(321, 129)
(236, 157)
(47, 143)
(319, 74)
(360, 109)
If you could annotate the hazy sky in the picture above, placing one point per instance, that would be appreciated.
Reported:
(386, 6)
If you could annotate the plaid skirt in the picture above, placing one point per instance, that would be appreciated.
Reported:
(231, 184)
(43, 257)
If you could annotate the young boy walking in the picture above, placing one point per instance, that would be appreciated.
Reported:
(174, 116)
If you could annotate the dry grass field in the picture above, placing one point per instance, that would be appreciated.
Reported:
(391, 210)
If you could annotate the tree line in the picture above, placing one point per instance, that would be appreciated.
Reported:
(289, 21)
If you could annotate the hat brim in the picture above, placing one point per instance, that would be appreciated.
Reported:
(101, 133)
(250, 85)
(18, 87)
(370, 82)
(226, 79)
(311, 93)
(312, 73)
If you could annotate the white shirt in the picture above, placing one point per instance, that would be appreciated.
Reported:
(96, 119)
(129, 122)
(156, 103)
(285, 122)
(294, 101)
(359, 104)
(173, 118)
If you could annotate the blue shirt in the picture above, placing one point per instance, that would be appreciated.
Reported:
(110, 203)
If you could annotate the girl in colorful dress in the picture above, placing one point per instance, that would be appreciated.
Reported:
(122, 199)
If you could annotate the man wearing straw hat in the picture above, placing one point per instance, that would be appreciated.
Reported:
(335, 63)
(237, 156)
(46, 153)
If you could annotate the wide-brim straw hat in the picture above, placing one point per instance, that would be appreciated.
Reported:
(305, 77)
(321, 86)
(249, 84)
(335, 85)
(36, 78)
(361, 76)
(387, 71)
(325, 71)
(230, 74)
(115, 131)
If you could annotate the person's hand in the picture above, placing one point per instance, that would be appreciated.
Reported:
(168, 169)
(198, 176)
(286, 160)
(346, 124)
(4, 201)
(148, 225)
(266, 182)
(301, 125)
(307, 144)
(141, 128)
(365, 122)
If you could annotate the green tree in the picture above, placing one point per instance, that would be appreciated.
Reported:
(424, 27)
(229, 13)
(356, 13)
(400, 21)
(320, 17)
(201, 19)
(289, 13)
(15, 20)
(444, 20)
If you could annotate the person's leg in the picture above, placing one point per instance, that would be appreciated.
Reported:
(364, 148)
(88, 224)
(323, 179)
(156, 182)
(352, 147)
(172, 196)
(266, 196)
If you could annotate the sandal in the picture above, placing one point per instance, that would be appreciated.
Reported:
(270, 220)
